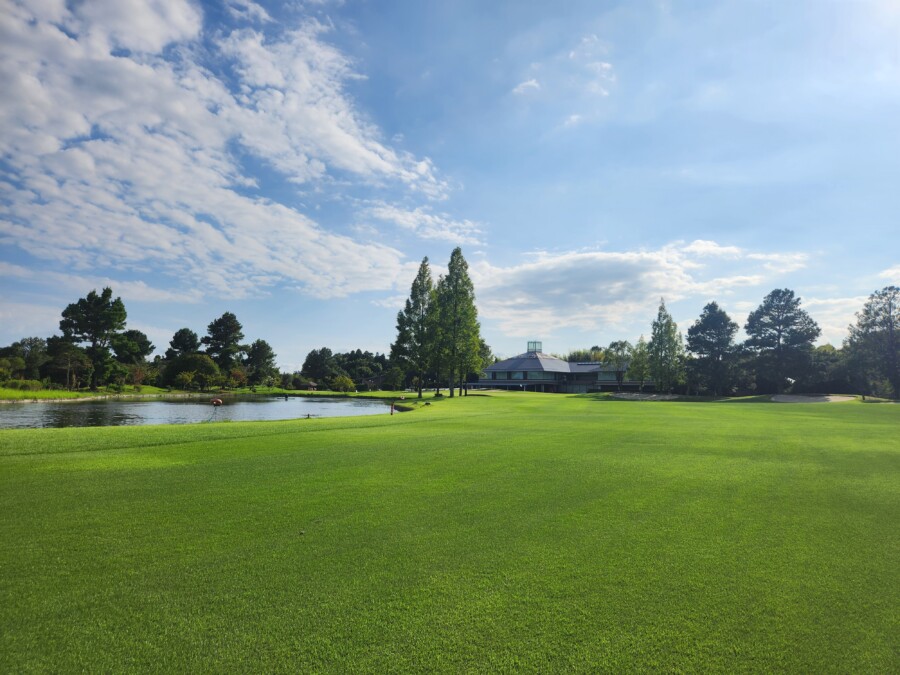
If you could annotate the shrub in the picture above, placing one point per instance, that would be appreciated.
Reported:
(24, 385)
(342, 383)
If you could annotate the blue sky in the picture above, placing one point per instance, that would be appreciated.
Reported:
(293, 163)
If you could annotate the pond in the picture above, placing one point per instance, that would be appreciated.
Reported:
(119, 412)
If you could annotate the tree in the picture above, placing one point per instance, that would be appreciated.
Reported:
(33, 353)
(829, 372)
(711, 340)
(363, 367)
(204, 370)
(117, 373)
(875, 339)
(320, 366)
(185, 341)
(412, 349)
(459, 329)
(595, 353)
(781, 334)
(132, 346)
(260, 363)
(67, 358)
(12, 366)
(393, 380)
(237, 377)
(617, 355)
(665, 351)
(94, 320)
(639, 366)
(223, 341)
(342, 383)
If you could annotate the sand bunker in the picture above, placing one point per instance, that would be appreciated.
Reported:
(785, 398)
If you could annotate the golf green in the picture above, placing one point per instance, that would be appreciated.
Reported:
(494, 532)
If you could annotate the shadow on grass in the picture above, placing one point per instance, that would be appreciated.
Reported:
(610, 396)
(762, 398)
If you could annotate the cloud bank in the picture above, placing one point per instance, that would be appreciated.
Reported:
(590, 290)
(126, 148)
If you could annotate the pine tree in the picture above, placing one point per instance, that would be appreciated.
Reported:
(874, 341)
(782, 335)
(223, 341)
(94, 320)
(711, 340)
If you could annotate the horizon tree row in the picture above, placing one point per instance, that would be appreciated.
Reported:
(96, 349)
(777, 355)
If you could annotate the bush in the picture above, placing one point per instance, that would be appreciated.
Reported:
(342, 383)
(24, 385)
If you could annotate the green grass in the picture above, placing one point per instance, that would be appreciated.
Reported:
(496, 532)
(41, 394)
(51, 394)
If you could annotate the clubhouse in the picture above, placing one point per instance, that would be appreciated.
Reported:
(536, 371)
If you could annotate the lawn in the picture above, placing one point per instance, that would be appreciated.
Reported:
(490, 533)
(55, 394)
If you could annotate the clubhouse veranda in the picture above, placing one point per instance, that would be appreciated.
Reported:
(536, 371)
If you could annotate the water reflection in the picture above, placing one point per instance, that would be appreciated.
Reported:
(106, 413)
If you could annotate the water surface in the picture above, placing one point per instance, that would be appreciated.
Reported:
(118, 412)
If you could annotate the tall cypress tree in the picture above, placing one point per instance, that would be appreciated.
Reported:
(639, 367)
(458, 320)
(665, 351)
(412, 348)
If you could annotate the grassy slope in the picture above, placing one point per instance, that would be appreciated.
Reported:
(58, 394)
(512, 531)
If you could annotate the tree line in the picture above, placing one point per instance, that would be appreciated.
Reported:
(778, 354)
(438, 342)
(95, 349)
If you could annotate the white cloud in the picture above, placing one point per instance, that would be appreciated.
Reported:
(136, 24)
(781, 262)
(247, 10)
(428, 225)
(526, 86)
(892, 275)
(16, 271)
(135, 160)
(703, 248)
(834, 316)
(128, 289)
(394, 302)
(572, 79)
(588, 290)
(25, 319)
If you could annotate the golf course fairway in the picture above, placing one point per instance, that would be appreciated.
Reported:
(494, 532)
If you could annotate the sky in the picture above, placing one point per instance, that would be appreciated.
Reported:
(293, 162)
